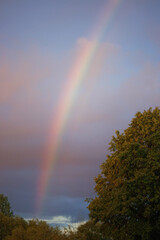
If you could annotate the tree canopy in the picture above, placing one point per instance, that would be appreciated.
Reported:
(128, 189)
(5, 207)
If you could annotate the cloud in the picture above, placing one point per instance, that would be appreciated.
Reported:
(29, 92)
(61, 221)
(108, 98)
(154, 34)
(64, 221)
(100, 60)
(142, 89)
(110, 103)
(22, 107)
(20, 73)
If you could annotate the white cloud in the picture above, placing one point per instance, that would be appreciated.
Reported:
(61, 221)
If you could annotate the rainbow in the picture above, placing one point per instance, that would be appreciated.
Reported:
(75, 77)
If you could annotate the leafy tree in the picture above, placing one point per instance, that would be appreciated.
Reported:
(34, 229)
(6, 217)
(5, 207)
(18, 233)
(6, 226)
(9, 224)
(39, 230)
(90, 231)
(128, 189)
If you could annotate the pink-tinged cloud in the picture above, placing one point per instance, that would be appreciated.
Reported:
(101, 106)
(20, 73)
(112, 106)
(143, 88)
(154, 34)
(104, 53)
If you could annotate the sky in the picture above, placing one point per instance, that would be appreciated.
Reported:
(71, 73)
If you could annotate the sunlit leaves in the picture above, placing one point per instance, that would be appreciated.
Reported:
(128, 188)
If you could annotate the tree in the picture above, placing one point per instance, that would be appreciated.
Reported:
(128, 189)
(6, 214)
(5, 207)
(9, 224)
(90, 231)
(33, 229)
(18, 233)
(6, 225)
(39, 230)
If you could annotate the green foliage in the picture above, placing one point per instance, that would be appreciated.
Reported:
(128, 188)
(5, 207)
(8, 224)
(86, 231)
(34, 229)
(90, 231)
